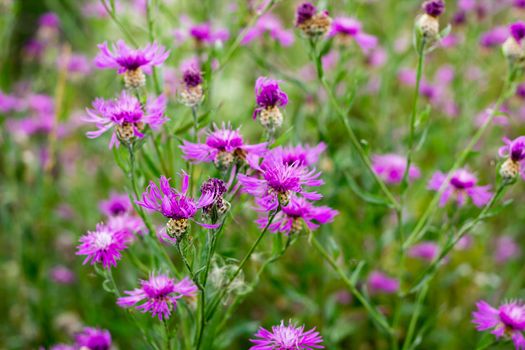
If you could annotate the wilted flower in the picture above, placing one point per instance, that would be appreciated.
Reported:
(428, 23)
(391, 168)
(93, 339)
(506, 321)
(462, 184)
(125, 113)
(270, 24)
(312, 22)
(427, 251)
(513, 47)
(102, 246)
(224, 147)
(116, 204)
(378, 282)
(514, 151)
(269, 97)
(287, 337)
(192, 93)
(158, 295)
(132, 63)
(346, 29)
(215, 188)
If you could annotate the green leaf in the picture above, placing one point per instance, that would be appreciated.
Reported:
(367, 197)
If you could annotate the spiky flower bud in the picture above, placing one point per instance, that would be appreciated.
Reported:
(513, 48)
(134, 79)
(313, 23)
(177, 228)
(428, 23)
(192, 93)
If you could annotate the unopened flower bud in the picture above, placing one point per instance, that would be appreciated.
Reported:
(512, 47)
(428, 23)
(509, 169)
(271, 118)
(312, 22)
(192, 93)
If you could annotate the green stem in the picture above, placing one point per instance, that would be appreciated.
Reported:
(415, 317)
(123, 29)
(151, 32)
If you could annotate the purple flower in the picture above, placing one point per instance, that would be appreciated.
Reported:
(268, 95)
(346, 28)
(506, 321)
(126, 114)
(517, 31)
(49, 19)
(301, 155)
(287, 337)
(192, 77)
(378, 282)
(76, 64)
(62, 275)
(116, 204)
(279, 181)
(9, 103)
(215, 188)
(223, 147)
(494, 37)
(299, 212)
(102, 246)
(305, 12)
(462, 184)
(427, 251)
(506, 249)
(129, 224)
(391, 168)
(126, 59)
(514, 149)
(272, 25)
(434, 8)
(93, 339)
(520, 4)
(204, 33)
(158, 295)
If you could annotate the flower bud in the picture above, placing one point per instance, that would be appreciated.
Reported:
(271, 118)
(134, 79)
(177, 228)
(509, 169)
(312, 22)
(192, 93)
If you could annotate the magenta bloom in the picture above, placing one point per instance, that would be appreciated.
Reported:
(287, 337)
(204, 33)
(129, 224)
(461, 185)
(494, 37)
(296, 214)
(49, 19)
(102, 246)
(379, 282)
(158, 295)
(301, 155)
(514, 149)
(127, 116)
(517, 31)
(427, 251)
(506, 321)
(76, 64)
(116, 204)
(350, 28)
(126, 59)
(434, 8)
(278, 181)
(268, 24)
(223, 146)
(93, 339)
(62, 275)
(304, 13)
(391, 168)
(9, 103)
(268, 95)
(506, 249)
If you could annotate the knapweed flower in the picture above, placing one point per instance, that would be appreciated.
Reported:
(48, 26)
(76, 65)
(129, 224)
(116, 204)
(127, 115)
(93, 339)
(287, 337)
(380, 283)
(302, 155)
(296, 215)
(158, 295)
(62, 275)
(102, 246)
(215, 188)
(278, 181)
(346, 29)
(514, 151)
(272, 25)
(494, 37)
(191, 93)
(204, 33)
(269, 97)
(132, 63)
(175, 205)
(507, 321)
(223, 146)
(391, 168)
(461, 185)
(506, 248)
(427, 251)
(310, 21)
(513, 47)
(428, 24)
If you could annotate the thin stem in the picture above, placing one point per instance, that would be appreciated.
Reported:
(119, 24)
(372, 311)
(415, 317)
(151, 32)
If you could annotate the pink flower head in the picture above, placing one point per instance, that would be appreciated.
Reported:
(378, 282)
(272, 25)
(9, 103)
(129, 224)
(427, 251)
(506, 249)
(304, 12)
(126, 59)
(102, 246)
(434, 8)
(125, 112)
(62, 275)
(278, 181)
(76, 64)
(506, 321)
(494, 37)
(222, 146)
(204, 33)
(391, 168)
(268, 94)
(296, 214)
(93, 339)
(461, 185)
(158, 295)
(517, 31)
(346, 27)
(302, 155)
(514, 149)
(116, 204)
(287, 337)
(50, 20)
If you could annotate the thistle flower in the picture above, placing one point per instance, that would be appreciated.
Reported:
(507, 321)
(462, 184)
(378, 282)
(514, 151)
(278, 182)
(192, 93)
(131, 225)
(116, 204)
(102, 246)
(428, 24)
(126, 114)
(268, 23)
(269, 97)
(346, 29)
(175, 205)
(427, 251)
(215, 188)
(298, 213)
(223, 146)
(301, 155)
(311, 22)
(93, 339)
(391, 168)
(286, 337)
(158, 295)
(513, 47)
(132, 63)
